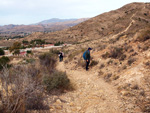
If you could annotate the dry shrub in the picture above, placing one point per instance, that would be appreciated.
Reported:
(81, 63)
(48, 60)
(4, 62)
(116, 53)
(147, 64)
(57, 80)
(102, 66)
(144, 36)
(75, 53)
(105, 55)
(101, 47)
(18, 87)
(144, 103)
(93, 63)
(107, 76)
(131, 60)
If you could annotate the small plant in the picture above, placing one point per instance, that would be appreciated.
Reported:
(106, 55)
(115, 77)
(110, 62)
(107, 76)
(93, 63)
(102, 66)
(29, 52)
(131, 60)
(124, 67)
(116, 53)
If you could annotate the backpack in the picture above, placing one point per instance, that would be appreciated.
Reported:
(84, 57)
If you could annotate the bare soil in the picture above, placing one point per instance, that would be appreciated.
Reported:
(92, 94)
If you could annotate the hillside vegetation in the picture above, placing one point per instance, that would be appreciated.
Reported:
(118, 78)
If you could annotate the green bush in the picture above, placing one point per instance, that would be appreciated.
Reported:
(1, 52)
(29, 51)
(16, 52)
(3, 61)
(57, 80)
(58, 43)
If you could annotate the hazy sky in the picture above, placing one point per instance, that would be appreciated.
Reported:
(33, 11)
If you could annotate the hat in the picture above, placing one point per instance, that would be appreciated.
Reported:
(89, 48)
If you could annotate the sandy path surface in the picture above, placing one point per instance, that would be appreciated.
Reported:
(92, 94)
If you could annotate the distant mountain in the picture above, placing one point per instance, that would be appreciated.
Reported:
(127, 20)
(54, 20)
(50, 25)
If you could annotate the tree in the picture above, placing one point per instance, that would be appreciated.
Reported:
(1, 52)
(16, 45)
(17, 52)
(3, 62)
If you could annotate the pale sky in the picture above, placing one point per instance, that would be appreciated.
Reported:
(33, 11)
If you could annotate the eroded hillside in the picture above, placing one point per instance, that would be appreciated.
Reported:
(105, 25)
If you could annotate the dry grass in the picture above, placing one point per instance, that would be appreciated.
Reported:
(23, 86)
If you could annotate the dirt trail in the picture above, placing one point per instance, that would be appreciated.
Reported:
(92, 94)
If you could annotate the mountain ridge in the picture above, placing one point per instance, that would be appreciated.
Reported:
(106, 24)
(50, 25)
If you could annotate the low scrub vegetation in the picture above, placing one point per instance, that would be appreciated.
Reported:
(131, 60)
(75, 53)
(1, 52)
(115, 53)
(57, 80)
(93, 63)
(144, 36)
(18, 87)
(48, 60)
(4, 62)
(24, 87)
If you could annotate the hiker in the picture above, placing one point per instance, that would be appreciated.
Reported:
(61, 56)
(86, 56)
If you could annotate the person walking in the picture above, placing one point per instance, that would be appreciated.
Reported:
(87, 57)
(61, 56)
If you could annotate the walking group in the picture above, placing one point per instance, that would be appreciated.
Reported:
(86, 57)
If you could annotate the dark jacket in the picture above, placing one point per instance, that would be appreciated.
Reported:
(87, 55)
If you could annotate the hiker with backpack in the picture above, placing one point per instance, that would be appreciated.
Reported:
(86, 56)
(61, 55)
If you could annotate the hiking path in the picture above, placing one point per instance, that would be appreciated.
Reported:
(92, 94)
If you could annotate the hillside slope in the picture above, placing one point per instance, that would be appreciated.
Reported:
(44, 26)
(105, 25)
